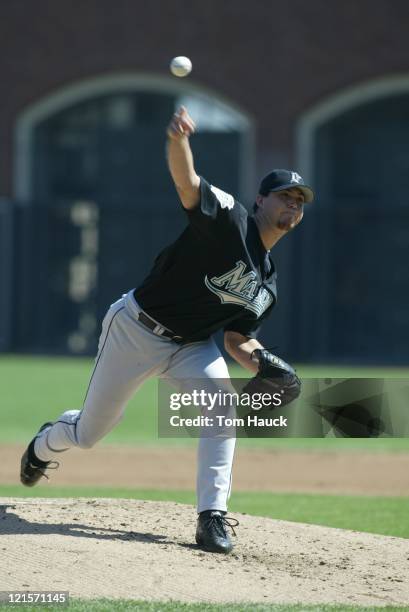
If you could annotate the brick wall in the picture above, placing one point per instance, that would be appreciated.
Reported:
(273, 59)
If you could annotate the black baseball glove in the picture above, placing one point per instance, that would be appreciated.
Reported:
(274, 376)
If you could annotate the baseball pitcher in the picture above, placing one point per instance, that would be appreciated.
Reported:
(218, 274)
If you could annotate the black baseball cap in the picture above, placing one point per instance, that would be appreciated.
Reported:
(279, 179)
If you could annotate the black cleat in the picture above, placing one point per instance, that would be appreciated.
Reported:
(32, 469)
(211, 532)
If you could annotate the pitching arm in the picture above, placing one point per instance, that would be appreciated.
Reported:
(180, 158)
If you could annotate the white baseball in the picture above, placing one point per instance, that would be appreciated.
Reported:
(180, 66)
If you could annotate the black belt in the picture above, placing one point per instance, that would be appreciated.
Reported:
(157, 328)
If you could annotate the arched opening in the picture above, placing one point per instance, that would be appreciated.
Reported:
(353, 256)
(97, 201)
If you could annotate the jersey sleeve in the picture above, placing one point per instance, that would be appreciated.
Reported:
(247, 327)
(217, 212)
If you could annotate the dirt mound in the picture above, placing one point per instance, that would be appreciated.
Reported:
(145, 550)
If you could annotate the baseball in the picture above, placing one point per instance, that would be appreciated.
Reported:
(180, 66)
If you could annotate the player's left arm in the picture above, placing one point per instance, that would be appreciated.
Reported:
(240, 347)
(272, 374)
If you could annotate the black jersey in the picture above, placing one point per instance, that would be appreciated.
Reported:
(216, 275)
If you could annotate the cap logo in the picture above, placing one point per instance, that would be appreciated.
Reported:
(295, 177)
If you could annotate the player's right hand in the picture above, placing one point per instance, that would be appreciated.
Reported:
(181, 125)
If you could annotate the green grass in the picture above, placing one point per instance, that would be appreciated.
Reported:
(37, 389)
(378, 445)
(382, 515)
(121, 605)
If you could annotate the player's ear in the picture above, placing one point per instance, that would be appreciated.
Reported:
(258, 203)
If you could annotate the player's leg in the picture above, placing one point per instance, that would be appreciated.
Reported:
(128, 354)
(201, 364)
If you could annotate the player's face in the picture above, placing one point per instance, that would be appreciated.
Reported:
(283, 209)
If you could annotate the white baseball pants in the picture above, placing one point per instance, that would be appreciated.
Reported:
(128, 354)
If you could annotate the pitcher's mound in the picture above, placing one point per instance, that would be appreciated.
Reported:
(120, 548)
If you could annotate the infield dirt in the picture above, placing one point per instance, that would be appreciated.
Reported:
(359, 473)
(145, 550)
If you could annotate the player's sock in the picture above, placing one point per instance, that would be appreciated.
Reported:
(40, 453)
(32, 457)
